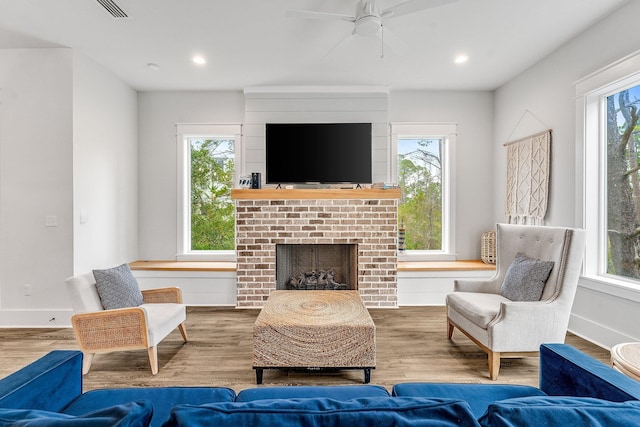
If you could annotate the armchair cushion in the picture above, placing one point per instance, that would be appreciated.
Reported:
(525, 278)
(130, 414)
(479, 308)
(117, 287)
(162, 319)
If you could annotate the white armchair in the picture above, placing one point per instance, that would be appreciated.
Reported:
(100, 331)
(505, 328)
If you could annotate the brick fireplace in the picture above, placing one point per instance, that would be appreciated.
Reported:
(367, 219)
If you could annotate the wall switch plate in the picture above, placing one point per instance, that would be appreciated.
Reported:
(27, 290)
(51, 221)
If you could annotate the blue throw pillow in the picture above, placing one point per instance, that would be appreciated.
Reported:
(132, 414)
(321, 412)
(561, 411)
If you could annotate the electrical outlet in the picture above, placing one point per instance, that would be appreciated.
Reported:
(27, 290)
(51, 221)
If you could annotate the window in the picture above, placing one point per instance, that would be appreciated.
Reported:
(608, 126)
(623, 183)
(421, 163)
(208, 155)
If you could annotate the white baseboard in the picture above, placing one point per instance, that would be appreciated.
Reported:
(596, 333)
(31, 318)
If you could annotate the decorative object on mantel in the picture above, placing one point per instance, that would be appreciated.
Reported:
(528, 165)
(488, 247)
(402, 242)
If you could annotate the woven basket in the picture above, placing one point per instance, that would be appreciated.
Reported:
(488, 247)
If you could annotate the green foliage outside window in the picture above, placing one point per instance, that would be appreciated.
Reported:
(420, 178)
(623, 183)
(212, 210)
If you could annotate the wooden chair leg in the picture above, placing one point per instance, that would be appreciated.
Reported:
(449, 329)
(494, 364)
(87, 358)
(183, 331)
(153, 359)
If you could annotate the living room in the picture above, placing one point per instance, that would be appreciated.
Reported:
(96, 185)
(102, 150)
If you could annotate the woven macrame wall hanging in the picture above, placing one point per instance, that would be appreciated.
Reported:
(528, 161)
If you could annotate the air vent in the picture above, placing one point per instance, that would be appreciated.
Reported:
(111, 7)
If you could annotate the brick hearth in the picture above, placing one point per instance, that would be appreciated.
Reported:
(366, 217)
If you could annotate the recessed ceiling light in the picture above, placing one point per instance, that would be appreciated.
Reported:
(199, 60)
(153, 67)
(461, 59)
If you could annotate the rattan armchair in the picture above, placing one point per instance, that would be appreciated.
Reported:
(102, 331)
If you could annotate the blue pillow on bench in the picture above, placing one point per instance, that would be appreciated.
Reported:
(561, 411)
(132, 414)
(321, 412)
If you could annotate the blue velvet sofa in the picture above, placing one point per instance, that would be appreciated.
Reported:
(574, 389)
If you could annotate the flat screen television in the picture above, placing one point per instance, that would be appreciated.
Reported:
(325, 153)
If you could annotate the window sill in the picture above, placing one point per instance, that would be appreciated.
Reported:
(610, 286)
(183, 265)
(213, 256)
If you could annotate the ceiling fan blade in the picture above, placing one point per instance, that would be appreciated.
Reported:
(412, 6)
(391, 40)
(343, 42)
(310, 14)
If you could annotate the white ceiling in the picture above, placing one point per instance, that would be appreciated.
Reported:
(251, 43)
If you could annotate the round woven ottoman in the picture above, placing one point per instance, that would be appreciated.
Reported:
(625, 358)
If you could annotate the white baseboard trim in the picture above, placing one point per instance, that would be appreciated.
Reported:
(601, 335)
(31, 318)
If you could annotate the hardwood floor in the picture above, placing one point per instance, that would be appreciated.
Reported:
(411, 346)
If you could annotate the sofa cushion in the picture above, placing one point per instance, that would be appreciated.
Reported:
(561, 411)
(383, 411)
(131, 414)
(117, 287)
(163, 399)
(478, 396)
(345, 392)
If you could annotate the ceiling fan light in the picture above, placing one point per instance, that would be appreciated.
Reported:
(368, 25)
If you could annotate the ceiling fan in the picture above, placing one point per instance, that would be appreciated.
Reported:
(369, 20)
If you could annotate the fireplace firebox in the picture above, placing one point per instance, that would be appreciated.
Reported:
(317, 266)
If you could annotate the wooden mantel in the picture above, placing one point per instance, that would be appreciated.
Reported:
(313, 193)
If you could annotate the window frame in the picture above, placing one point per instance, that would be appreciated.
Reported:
(183, 215)
(448, 133)
(591, 150)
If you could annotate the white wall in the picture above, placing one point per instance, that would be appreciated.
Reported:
(158, 113)
(546, 90)
(474, 186)
(35, 182)
(316, 105)
(68, 140)
(105, 168)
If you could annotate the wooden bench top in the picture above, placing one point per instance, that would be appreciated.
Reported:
(463, 265)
